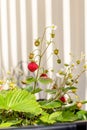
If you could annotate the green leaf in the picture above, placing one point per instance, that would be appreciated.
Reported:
(67, 116)
(50, 118)
(29, 88)
(55, 115)
(69, 88)
(51, 104)
(43, 102)
(51, 91)
(19, 100)
(5, 125)
(82, 114)
(45, 80)
(9, 123)
(46, 119)
(2, 102)
(30, 80)
(37, 90)
(84, 101)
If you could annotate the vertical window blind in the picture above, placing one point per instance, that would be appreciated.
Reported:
(21, 21)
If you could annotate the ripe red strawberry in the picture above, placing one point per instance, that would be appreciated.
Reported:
(63, 99)
(32, 66)
(43, 75)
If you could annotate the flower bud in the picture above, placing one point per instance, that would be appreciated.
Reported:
(66, 65)
(52, 35)
(72, 65)
(73, 90)
(78, 62)
(53, 27)
(37, 42)
(76, 81)
(61, 72)
(56, 51)
(45, 71)
(85, 66)
(54, 86)
(68, 83)
(31, 56)
(1, 82)
(70, 75)
(79, 105)
(59, 61)
(72, 80)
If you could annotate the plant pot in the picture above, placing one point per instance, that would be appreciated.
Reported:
(79, 125)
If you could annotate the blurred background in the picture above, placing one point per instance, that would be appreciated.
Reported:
(21, 21)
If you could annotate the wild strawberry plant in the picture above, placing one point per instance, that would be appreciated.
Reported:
(66, 80)
(19, 107)
(35, 67)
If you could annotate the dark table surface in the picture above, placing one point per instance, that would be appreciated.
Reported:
(81, 125)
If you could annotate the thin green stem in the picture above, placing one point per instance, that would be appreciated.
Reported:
(37, 73)
(44, 51)
(40, 57)
(43, 38)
